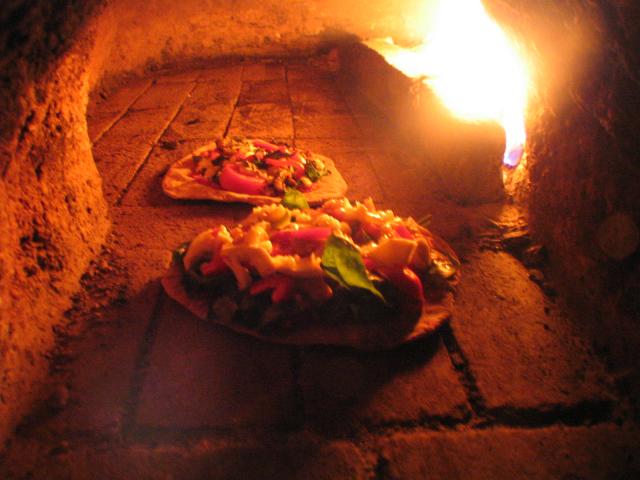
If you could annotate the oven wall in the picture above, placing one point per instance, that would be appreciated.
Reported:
(152, 33)
(584, 161)
(53, 218)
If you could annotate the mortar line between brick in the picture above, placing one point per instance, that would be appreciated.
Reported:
(235, 105)
(124, 111)
(139, 369)
(466, 378)
(147, 154)
(290, 103)
(349, 107)
(358, 436)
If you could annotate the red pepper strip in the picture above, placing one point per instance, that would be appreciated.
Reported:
(404, 279)
(267, 146)
(234, 181)
(373, 230)
(315, 288)
(302, 242)
(403, 232)
(282, 286)
(407, 282)
(215, 266)
(369, 263)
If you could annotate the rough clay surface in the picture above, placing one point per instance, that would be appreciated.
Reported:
(141, 389)
(53, 217)
(157, 32)
(583, 159)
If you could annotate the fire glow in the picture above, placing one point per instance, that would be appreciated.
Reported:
(473, 67)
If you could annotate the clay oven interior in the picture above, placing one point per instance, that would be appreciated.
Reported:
(102, 376)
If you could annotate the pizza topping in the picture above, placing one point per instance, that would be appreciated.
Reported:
(282, 287)
(444, 265)
(231, 178)
(267, 146)
(303, 241)
(301, 254)
(205, 245)
(314, 169)
(294, 199)
(256, 167)
(405, 280)
(342, 261)
(215, 266)
(393, 252)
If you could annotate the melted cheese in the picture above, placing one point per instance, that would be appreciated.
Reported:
(205, 245)
(248, 247)
(394, 252)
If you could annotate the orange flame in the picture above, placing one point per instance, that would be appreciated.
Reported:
(473, 67)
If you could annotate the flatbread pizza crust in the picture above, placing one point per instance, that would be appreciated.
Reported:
(379, 334)
(179, 184)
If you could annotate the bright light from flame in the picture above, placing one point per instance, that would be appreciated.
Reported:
(474, 68)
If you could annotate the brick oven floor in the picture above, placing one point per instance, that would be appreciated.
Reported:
(142, 389)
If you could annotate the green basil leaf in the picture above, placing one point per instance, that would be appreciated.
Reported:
(294, 199)
(342, 261)
(333, 273)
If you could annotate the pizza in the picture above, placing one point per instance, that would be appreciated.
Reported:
(343, 274)
(252, 171)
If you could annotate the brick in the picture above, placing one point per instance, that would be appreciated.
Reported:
(100, 377)
(202, 375)
(319, 125)
(313, 83)
(188, 76)
(549, 453)
(201, 121)
(412, 384)
(231, 73)
(310, 72)
(123, 149)
(119, 100)
(353, 163)
(523, 352)
(324, 107)
(317, 93)
(407, 177)
(215, 92)
(263, 71)
(162, 96)
(265, 91)
(99, 123)
(377, 130)
(146, 189)
(294, 459)
(264, 120)
(171, 226)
